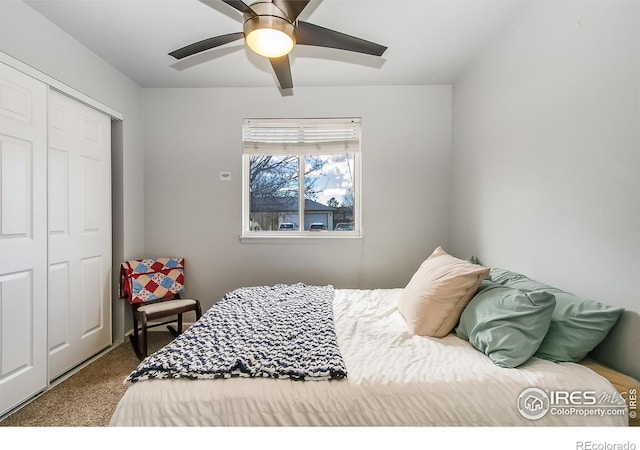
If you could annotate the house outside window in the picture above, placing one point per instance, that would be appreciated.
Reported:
(301, 178)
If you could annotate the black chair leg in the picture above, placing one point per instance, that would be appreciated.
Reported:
(143, 344)
(135, 339)
(176, 332)
(136, 349)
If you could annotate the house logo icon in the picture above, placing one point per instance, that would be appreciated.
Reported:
(533, 403)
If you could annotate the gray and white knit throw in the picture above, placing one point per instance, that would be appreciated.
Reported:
(281, 331)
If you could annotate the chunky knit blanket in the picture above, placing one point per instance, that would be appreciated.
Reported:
(281, 331)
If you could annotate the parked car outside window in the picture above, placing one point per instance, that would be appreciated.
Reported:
(286, 226)
(317, 227)
(344, 226)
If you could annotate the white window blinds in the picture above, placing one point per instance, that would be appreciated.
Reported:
(301, 136)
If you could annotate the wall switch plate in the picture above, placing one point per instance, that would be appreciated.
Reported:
(225, 176)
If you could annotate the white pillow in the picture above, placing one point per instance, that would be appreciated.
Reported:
(438, 292)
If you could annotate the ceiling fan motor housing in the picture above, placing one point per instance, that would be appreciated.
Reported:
(268, 15)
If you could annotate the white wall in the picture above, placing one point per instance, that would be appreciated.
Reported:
(27, 36)
(191, 135)
(546, 138)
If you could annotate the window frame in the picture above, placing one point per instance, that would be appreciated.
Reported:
(355, 149)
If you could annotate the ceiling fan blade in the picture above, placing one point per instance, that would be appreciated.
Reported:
(205, 44)
(310, 34)
(292, 8)
(282, 68)
(240, 6)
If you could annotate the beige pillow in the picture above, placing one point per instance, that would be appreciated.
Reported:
(438, 292)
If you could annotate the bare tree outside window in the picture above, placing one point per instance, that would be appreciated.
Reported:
(275, 187)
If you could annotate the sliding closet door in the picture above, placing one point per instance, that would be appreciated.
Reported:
(79, 233)
(23, 237)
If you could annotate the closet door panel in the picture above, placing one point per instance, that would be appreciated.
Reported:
(59, 192)
(92, 311)
(80, 229)
(23, 237)
(16, 187)
(17, 303)
(59, 294)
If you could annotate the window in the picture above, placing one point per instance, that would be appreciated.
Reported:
(301, 177)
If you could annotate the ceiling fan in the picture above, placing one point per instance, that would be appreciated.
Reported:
(272, 29)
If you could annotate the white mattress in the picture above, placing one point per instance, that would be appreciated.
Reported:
(394, 379)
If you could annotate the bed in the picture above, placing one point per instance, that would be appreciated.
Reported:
(394, 377)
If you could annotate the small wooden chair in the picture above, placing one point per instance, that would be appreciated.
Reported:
(153, 287)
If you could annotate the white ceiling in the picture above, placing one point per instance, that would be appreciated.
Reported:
(429, 42)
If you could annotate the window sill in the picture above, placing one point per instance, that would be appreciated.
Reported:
(286, 236)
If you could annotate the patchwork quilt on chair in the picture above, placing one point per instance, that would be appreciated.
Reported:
(145, 280)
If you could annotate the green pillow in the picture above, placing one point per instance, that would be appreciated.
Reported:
(506, 324)
(512, 279)
(578, 324)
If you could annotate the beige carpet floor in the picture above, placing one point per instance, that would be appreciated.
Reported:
(89, 397)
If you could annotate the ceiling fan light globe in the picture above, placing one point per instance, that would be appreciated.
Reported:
(269, 42)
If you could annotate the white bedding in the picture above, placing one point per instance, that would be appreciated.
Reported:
(394, 379)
